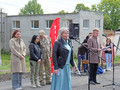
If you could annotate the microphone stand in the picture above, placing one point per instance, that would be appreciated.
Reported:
(89, 50)
(113, 83)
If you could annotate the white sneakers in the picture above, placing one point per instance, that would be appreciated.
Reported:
(108, 69)
(34, 86)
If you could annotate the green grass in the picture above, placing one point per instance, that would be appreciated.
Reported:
(6, 61)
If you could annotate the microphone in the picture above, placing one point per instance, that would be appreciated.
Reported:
(104, 35)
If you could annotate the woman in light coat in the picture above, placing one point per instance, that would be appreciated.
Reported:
(18, 52)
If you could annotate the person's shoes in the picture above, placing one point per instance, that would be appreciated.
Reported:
(92, 83)
(42, 84)
(20, 88)
(97, 83)
(33, 86)
(48, 83)
(38, 86)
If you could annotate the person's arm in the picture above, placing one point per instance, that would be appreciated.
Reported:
(72, 60)
(90, 45)
(24, 49)
(54, 57)
(13, 50)
(31, 48)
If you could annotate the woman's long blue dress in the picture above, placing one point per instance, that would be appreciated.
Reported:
(63, 80)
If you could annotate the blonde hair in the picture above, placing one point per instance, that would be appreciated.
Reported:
(95, 29)
(61, 30)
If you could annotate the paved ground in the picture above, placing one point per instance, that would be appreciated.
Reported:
(78, 82)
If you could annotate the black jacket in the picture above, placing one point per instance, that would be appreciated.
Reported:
(60, 54)
(35, 52)
(82, 50)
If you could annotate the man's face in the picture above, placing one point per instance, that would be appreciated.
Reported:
(96, 33)
(41, 37)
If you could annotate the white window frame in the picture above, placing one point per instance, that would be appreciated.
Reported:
(48, 24)
(97, 24)
(85, 26)
(15, 24)
(32, 24)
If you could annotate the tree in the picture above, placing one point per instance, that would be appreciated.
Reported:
(94, 7)
(79, 7)
(112, 9)
(62, 11)
(31, 8)
(107, 22)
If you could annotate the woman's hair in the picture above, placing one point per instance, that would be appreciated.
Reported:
(108, 40)
(14, 32)
(61, 30)
(33, 38)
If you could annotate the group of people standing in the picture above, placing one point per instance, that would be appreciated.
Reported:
(62, 54)
(92, 42)
(40, 53)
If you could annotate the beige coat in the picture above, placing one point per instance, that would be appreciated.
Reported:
(94, 45)
(17, 50)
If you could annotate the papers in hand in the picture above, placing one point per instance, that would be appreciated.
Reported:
(105, 49)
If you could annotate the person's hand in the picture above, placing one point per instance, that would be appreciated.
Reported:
(39, 60)
(78, 54)
(99, 50)
(108, 49)
(73, 68)
(55, 71)
(22, 57)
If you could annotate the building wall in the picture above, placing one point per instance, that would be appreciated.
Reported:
(2, 28)
(27, 32)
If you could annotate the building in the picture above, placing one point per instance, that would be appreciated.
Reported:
(31, 24)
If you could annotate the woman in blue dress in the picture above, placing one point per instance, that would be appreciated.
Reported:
(62, 58)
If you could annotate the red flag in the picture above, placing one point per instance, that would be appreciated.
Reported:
(53, 35)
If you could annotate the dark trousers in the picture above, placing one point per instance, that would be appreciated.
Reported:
(93, 70)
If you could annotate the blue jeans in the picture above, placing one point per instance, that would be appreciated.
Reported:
(81, 57)
(16, 80)
(108, 60)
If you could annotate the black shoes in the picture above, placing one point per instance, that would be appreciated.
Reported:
(93, 83)
(97, 83)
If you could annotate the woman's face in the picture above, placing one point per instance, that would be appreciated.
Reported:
(37, 40)
(65, 35)
(18, 35)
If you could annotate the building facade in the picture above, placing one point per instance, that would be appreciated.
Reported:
(31, 24)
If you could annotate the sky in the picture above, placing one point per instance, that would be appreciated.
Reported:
(12, 7)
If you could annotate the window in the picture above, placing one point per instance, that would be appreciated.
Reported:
(86, 24)
(16, 24)
(35, 24)
(97, 23)
(49, 23)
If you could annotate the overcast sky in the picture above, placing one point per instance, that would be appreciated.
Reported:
(12, 7)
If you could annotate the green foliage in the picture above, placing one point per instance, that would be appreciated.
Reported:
(111, 11)
(94, 7)
(75, 56)
(107, 22)
(117, 58)
(79, 7)
(62, 11)
(32, 8)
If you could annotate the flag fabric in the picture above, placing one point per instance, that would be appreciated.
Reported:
(53, 35)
